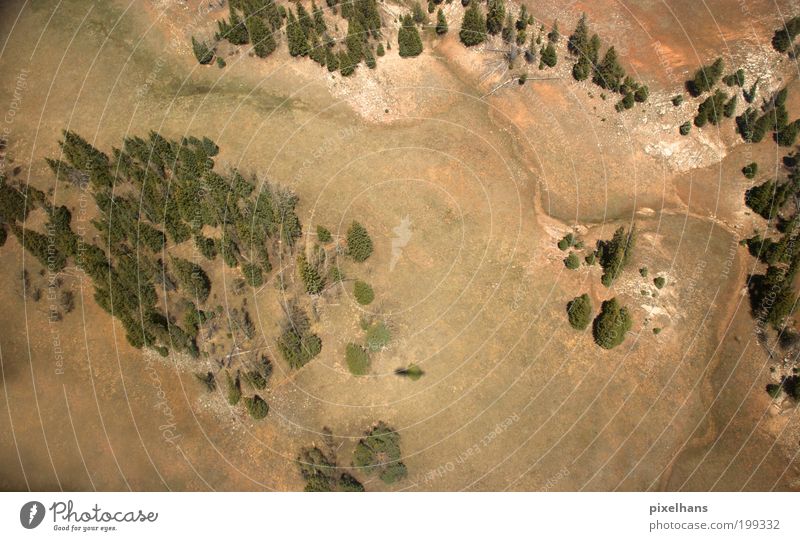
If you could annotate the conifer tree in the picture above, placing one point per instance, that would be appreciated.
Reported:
(495, 16)
(233, 30)
(319, 18)
(609, 74)
(508, 30)
(473, 28)
(260, 36)
(298, 45)
(359, 244)
(611, 325)
(202, 52)
(553, 36)
(548, 56)
(441, 23)
(311, 277)
(578, 42)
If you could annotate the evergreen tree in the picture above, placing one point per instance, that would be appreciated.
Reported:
(705, 78)
(578, 42)
(319, 18)
(304, 19)
(408, 38)
(609, 74)
(192, 278)
(261, 37)
(548, 56)
(235, 30)
(441, 23)
(522, 18)
(508, 30)
(495, 16)
(313, 281)
(579, 311)
(380, 51)
(202, 52)
(298, 45)
(553, 36)
(473, 27)
(611, 325)
(359, 244)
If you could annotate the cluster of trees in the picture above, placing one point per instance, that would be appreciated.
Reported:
(164, 193)
(754, 123)
(615, 253)
(607, 72)
(321, 474)
(259, 22)
(379, 452)
(705, 78)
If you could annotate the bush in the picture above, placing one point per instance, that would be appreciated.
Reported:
(359, 244)
(256, 407)
(363, 293)
(579, 311)
(252, 275)
(611, 324)
(677, 100)
(207, 380)
(572, 261)
(357, 359)
(750, 170)
(685, 128)
(233, 389)
(659, 281)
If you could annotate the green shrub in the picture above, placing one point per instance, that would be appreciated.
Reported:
(255, 379)
(379, 452)
(256, 407)
(677, 100)
(192, 278)
(357, 359)
(572, 261)
(363, 293)
(643, 272)
(252, 275)
(323, 234)
(207, 380)
(685, 128)
(656, 330)
(378, 336)
(611, 324)
(579, 312)
(659, 281)
(750, 170)
(590, 258)
(233, 389)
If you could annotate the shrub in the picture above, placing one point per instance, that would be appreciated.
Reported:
(685, 128)
(208, 381)
(363, 293)
(611, 324)
(566, 241)
(359, 244)
(677, 100)
(297, 343)
(572, 261)
(252, 274)
(256, 407)
(643, 272)
(321, 473)
(579, 311)
(590, 258)
(656, 330)
(750, 170)
(357, 359)
(255, 379)
(659, 281)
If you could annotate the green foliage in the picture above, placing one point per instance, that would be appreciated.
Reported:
(659, 281)
(357, 359)
(705, 78)
(572, 261)
(615, 253)
(547, 56)
(734, 79)
(643, 272)
(234, 30)
(408, 38)
(412, 372)
(611, 325)
(207, 380)
(298, 42)
(767, 198)
(380, 51)
(677, 100)
(657, 330)
(711, 109)
(359, 244)
(192, 278)
(590, 258)
(202, 51)
(261, 37)
(252, 274)
(255, 379)
(473, 27)
(379, 452)
(566, 242)
(685, 128)
(256, 406)
(323, 234)
(787, 135)
(363, 293)
(579, 312)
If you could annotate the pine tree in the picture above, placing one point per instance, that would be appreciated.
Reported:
(522, 19)
(553, 36)
(202, 52)
(441, 23)
(235, 30)
(261, 37)
(508, 30)
(380, 51)
(305, 20)
(495, 16)
(611, 325)
(311, 277)
(298, 45)
(359, 244)
(408, 38)
(548, 56)
(578, 42)
(473, 28)
(579, 312)
(319, 19)
(609, 74)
